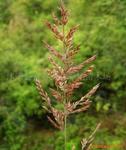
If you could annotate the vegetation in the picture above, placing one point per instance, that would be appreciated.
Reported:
(24, 58)
(62, 74)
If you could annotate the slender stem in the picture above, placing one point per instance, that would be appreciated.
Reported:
(65, 132)
(65, 100)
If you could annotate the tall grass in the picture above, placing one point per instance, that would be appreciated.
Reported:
(61, 74)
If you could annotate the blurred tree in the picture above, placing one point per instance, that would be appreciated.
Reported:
(23, 58)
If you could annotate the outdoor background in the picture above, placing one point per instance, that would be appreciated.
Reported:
(23, 122)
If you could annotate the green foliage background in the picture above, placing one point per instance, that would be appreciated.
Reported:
(23, 58)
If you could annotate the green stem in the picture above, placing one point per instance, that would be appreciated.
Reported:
(65, 132)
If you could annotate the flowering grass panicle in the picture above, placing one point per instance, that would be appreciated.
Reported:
(61, 75)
